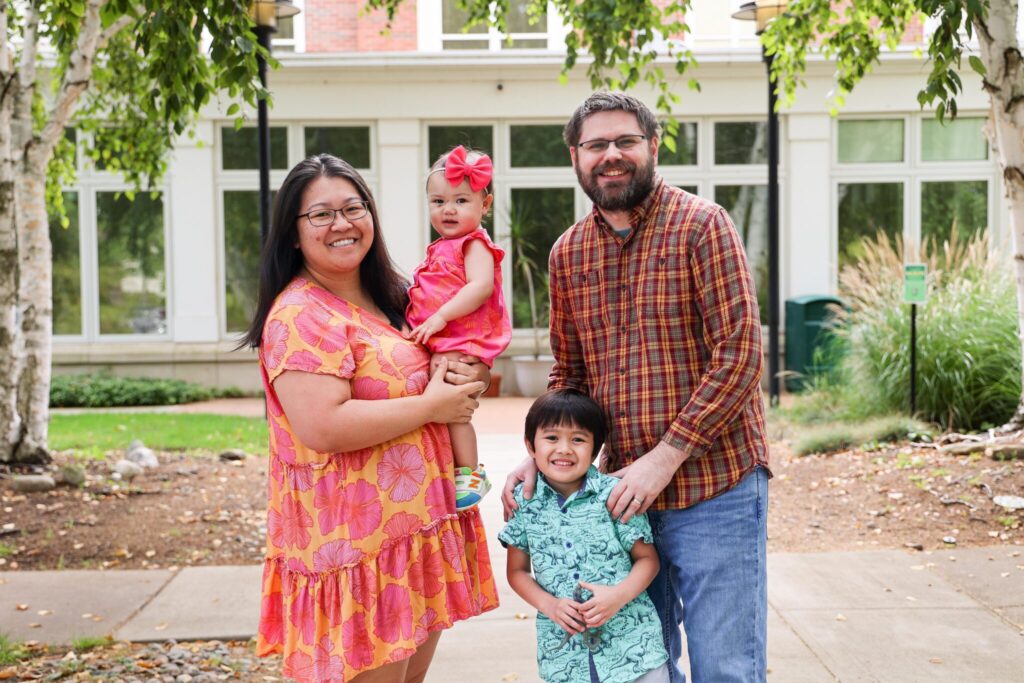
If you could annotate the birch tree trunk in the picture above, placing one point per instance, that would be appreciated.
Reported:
(1004, 82)
(10, 420)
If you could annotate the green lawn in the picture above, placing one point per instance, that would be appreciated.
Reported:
(99, 432)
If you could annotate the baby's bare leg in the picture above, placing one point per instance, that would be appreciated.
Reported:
(464, 444)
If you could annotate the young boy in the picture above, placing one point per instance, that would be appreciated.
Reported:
(595, 622)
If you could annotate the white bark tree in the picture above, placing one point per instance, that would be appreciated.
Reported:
(854, 35)
(133, 75)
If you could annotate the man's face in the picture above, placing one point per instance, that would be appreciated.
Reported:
(615, 179)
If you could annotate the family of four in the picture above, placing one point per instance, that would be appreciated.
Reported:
(375, 543)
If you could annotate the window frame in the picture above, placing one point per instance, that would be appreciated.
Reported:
(431, 35)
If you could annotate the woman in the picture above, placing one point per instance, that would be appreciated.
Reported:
(367, 560)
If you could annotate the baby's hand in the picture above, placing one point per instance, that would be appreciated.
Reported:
(604, 604)
(427, 329)
(566, 613)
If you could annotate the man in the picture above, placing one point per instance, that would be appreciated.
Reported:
(653, 313)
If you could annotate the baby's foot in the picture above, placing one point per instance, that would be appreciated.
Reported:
(470, 486)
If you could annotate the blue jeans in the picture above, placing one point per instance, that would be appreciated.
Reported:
(713, 581)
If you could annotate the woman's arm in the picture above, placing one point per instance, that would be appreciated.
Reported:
(608, 600)
(478, 288)
(326, 418)
(562, 611)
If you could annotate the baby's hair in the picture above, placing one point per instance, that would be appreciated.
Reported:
(471, 156)
(569, 408)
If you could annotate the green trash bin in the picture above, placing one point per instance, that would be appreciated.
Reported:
(807, 320)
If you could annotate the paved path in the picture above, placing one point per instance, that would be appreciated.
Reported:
(887, 616)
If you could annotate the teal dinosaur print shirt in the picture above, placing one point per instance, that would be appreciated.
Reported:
(575, 540)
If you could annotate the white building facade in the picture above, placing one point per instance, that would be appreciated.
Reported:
(161, 285)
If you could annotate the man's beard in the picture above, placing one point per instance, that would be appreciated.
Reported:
(619, 198)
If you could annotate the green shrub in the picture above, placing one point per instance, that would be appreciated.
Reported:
(843, 435)
(99, 391)
(968, 354)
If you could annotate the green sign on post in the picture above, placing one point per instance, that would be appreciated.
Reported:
(915, 290)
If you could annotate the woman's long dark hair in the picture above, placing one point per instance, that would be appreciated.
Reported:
(281, 261)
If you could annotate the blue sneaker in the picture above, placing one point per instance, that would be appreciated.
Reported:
(470, 486)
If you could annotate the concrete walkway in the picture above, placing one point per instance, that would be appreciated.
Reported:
(887, 616)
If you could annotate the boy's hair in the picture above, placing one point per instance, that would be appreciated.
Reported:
(471, 156)
(609, 101)
(566, 407)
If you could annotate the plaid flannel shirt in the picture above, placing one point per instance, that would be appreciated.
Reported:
(662, 329)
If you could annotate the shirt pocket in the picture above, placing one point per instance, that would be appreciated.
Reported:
(588, 300)
(662, 286)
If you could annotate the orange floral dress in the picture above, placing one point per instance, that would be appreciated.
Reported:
(365, 552)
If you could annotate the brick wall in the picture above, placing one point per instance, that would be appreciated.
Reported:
(338, 26)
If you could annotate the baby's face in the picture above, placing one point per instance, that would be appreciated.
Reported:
(455, 210)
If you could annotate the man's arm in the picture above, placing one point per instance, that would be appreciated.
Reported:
(728, 308)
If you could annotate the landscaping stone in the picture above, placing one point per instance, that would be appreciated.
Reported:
(965, 448)
(233, 454)
(127, 469)
(1009, 502)
(33, 483)
(142, 456)
(71, 474)
(1006, 451)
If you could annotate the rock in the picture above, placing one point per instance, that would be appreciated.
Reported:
(1006, 451)
(142, 456)
(127, 469)
(1009, 502)
(949, 540)
(72, 474)
(964, 448)
(233, 454)
(33, 483)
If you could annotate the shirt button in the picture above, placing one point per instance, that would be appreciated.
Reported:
(622, 371)
(622, 413)
(575, 575)
(568, 544)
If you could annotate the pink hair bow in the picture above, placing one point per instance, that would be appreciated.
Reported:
(457, 169)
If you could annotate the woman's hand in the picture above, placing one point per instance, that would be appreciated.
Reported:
(427, 329)
(451, 402)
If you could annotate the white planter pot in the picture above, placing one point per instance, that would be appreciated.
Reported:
(532, 374)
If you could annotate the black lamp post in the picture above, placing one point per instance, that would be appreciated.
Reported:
(266, 13)
(763, 11)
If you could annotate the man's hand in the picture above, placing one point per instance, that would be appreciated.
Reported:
(604, 604)
(525, 472)
(643, 480)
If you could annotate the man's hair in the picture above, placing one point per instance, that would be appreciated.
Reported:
(610, 101)
(566, 407)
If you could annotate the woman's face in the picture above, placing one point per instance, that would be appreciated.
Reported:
(338, 248)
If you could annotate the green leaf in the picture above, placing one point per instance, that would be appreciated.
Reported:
(233, 109)
(977, 65)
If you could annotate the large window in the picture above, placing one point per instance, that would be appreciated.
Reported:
(536, 217)
(748, 207)
(67, 269)
(871, 141)
(241, 256)
(525, 31)
(866, 209)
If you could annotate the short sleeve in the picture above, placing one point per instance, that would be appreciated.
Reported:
(514, 533)
(482, 236)
(638, 528)
(306, 336)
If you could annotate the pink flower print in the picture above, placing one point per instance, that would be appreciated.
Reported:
(294, 576)
(273, 405)
(288, 527)
(402, 524)
(329, 598)
(304, 361)
(417, 383)
(425, 575)
(458, 600)
(327, 668)
(330, 301)
(315, 328)
(395, 558)
(303, 615)
(437, 444)
(426, 621)
(299, 665)
(282, 444)
(369, 389)
(275, 343)
(401, 472)
(299, 478)
(272, 619)
(352, 461)
(451, 549)
(393, 618)
(363, 581)
(410, 357)
(440, 497)
(372, 324)
(361, 509)
(276, 473)
(355, 639)
(335, 554)
(329, 502)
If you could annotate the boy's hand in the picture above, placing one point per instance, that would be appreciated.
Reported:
(431, 326)
(604, 604)
(566, 613)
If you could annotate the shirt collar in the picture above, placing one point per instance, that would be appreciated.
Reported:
(590, 485)
(639, 213)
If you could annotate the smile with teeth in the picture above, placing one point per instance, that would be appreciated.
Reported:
(344, 242)
(561, 462)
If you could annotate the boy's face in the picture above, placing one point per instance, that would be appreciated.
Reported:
(563, 454)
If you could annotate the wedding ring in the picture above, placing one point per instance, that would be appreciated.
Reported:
(638, 501)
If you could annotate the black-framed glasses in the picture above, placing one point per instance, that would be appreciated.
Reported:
(323, 217)
(623, 142)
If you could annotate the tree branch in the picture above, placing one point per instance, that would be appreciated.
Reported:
(27, 68)
(115, 28)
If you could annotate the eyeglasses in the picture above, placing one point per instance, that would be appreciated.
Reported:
(624, 143)
(323, 217)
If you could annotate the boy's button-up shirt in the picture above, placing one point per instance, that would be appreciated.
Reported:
(661, 328)
(578, 541)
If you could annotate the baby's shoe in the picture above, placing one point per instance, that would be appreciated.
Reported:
(470, 486)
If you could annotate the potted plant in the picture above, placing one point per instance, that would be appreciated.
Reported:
(531, 370)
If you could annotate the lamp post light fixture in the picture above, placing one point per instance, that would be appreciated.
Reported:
(763, 11)
(266, 13)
